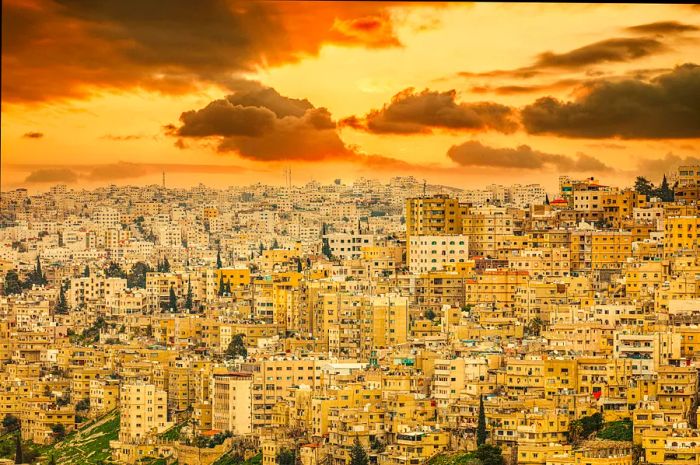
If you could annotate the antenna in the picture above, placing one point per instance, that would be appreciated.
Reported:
(425, 185)
(288, 177)
(163, 179)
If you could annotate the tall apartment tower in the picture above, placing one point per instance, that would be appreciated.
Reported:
(437, 215)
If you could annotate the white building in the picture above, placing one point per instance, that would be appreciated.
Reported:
(432, 253)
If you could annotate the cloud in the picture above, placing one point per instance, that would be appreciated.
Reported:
(119, 170)
(668, 164)
(615, 50)
(373, 31)
(69, 48)
(474, 153)
(411, 113)
(606, 51)
(260, 124)
(607, 145)
(46, 175)
(663, 27)
(519, 89)
(33, 135)
(668, 106)
(125, 137)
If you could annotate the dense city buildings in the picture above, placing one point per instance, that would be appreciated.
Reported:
(415, 320)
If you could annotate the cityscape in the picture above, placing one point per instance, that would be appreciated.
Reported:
(349, 233)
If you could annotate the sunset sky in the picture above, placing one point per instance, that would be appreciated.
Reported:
(100, 91)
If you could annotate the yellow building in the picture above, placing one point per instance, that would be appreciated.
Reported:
(414, 447)
(681, 235)
(143, 412)
(38, 416)
(667, 445)
(489, 229)
(600, 250)
(232, 402)
(437, 215)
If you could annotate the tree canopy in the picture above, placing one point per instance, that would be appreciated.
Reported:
(358, 455)
(113, 270)
(12, 283)
(481, 433)
(137, 275)
(236, 348)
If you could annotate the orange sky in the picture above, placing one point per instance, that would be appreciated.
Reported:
(97, 92)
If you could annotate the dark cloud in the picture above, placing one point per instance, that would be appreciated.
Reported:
(222, 118)
(515, 89)
(410, 113)
(473, 153)
(663, 27)
(615, 50)
(46, 175)
(67, 48)
(33, 135)
(253, 94)
(520, 73)
(606, 51)
(668, 106)
(260, 124)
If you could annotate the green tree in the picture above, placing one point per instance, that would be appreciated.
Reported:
(19, 453)
(664, 192)
(59, 431)
(172, 300)
(164, 266)
(222, 285)
(643, 186)
(489, 455)
(358, 455)
(114, 271)
(10, 422)
(52, 460)
(12, 283)
(534, 327)
(236, 348)
(481, 433)
(36, 276)
(585, 426)
(86, 271)
(326, 249)
(83, 405)
(188, 299)
(218, 259)
(61, 304)
(137, 275)
(617, 431)
(430, 314)
(325, 245)
(40, 277)
(275, 244)
(376, 445)
(300, 267)
(286, 457)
